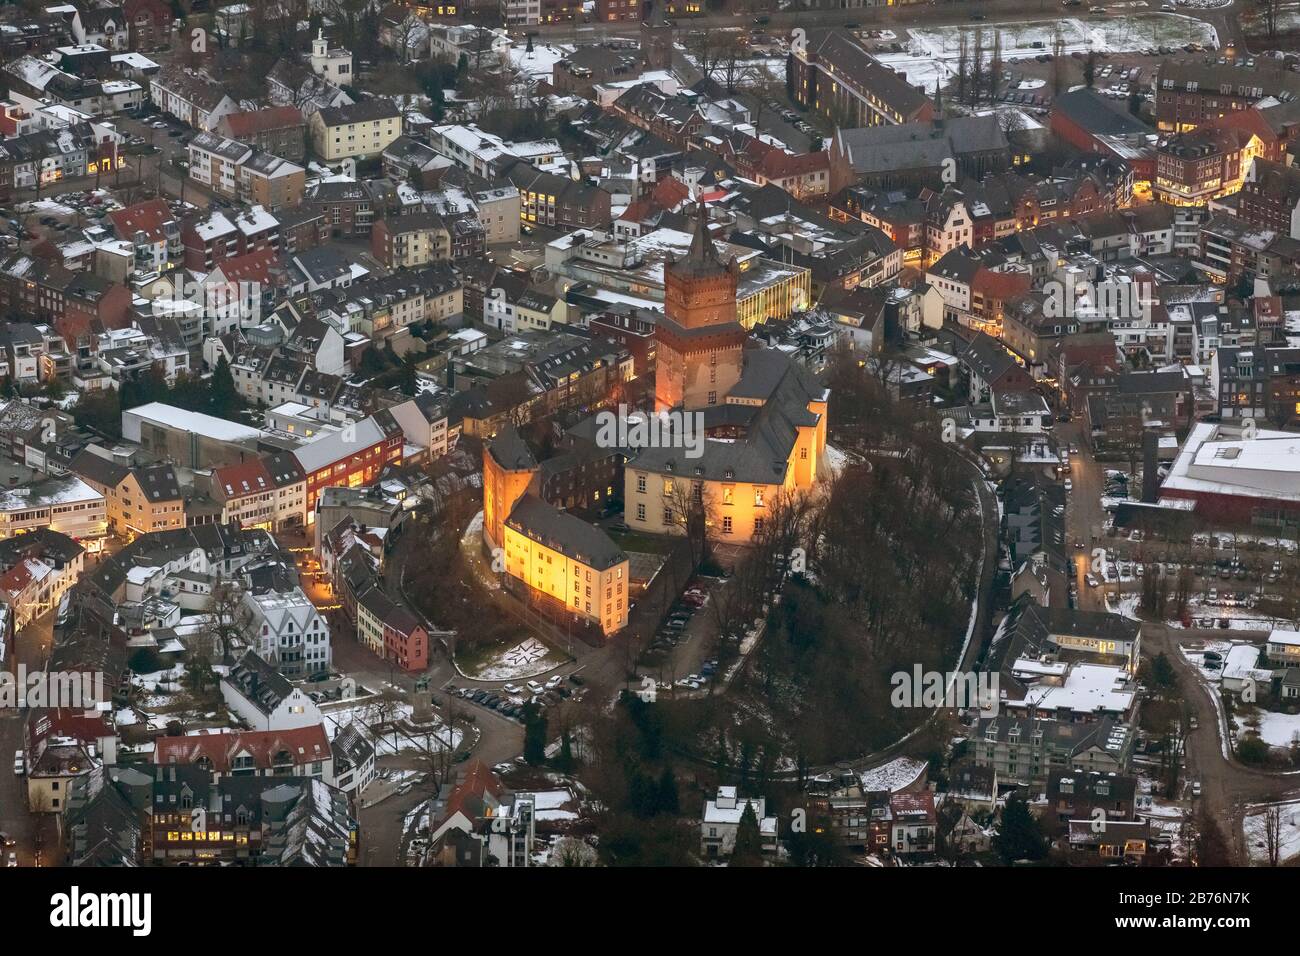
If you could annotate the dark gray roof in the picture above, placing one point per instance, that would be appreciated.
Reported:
(510, 450)
(363, 112)
(563, 532)
(1098, 115)
(762, 455)
(98, 469)
(259, 682)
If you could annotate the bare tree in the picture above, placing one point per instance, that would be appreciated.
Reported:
(1273, 835)
(963, 69)
(224, 625)
(692, 511)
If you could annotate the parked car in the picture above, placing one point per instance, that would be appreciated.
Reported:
(13, 859)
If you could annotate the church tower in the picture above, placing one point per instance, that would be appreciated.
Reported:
(656, 37)
(698, 341)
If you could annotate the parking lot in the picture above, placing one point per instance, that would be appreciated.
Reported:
(678, 660)
(508, 699)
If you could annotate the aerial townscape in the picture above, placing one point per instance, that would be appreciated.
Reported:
(649, 433)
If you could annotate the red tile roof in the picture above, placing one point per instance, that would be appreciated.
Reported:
(246, 478)
(16, 579)
(251, 266)
(147, 216)
(68, 722)
(302, 744)
(251, 122)
(479, 781)
(778, 164)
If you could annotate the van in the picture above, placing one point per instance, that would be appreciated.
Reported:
(20, 763)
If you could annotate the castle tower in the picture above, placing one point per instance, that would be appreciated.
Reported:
(656, 37)
(508, 471)
(698, 341)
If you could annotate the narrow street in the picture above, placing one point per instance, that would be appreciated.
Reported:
(1084, 515)
(1226, 785)
(31, 649)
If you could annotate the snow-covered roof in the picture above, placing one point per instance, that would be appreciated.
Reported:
(184, 420)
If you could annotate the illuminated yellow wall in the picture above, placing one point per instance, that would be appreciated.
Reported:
(597, 596)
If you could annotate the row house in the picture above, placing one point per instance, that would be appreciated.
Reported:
(154, 233)
(139, 499)
(481, 153)
(39, 568)
(301, 752)
(1190, 93)
(287, 631)
(241, 172)
(35, 83)
(278, 130)
(1270, 198)
(352, 456)
(557, 201)
(804, 176)
(348, 207)
(391, 630)
(222, 235)
(1257, 382)
(411, 240)
(674, 119)
(358, 131)
(149, 23)
(191, 97)
(1231, 248)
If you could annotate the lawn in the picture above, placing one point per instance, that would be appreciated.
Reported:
(510, 661)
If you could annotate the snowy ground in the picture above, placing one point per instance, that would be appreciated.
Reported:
(539, 63)
(554, 805)
(893, 776)
(1289, 833)
(524, 660)
(1029, 39)
(932, 53)
(1196, 657)
(1276, 730)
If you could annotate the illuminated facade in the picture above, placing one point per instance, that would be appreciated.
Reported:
(699, 340)
(562, 562)
(350, 457)
(776, 430)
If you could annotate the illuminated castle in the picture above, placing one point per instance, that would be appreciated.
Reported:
(699, 341)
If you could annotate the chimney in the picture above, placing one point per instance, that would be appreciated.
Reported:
(108, 750)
